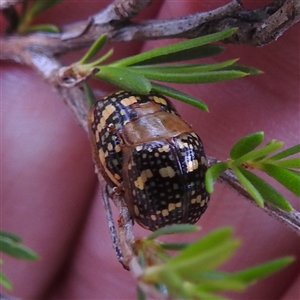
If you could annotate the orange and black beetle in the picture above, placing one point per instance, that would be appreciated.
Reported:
(152, 156)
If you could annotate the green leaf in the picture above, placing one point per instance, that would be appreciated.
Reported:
(42, 27)
(270, 147)
(176, 94)
(286, 163)
(208, 241)
(184, 55)
(246, 144)
(174, 246)
(215, 281)
(199, 250)
(89, 94)
(172, 229)
(184, 68)
(251, 275)
(173, 283)
(140, 294)
(166, 50)
(284, 176)
(207, 296)
(125, 79)
(195, 77)
(191, 266)
(11, 236)
(142, 259)
(297, 173)
(213, 173)
(285, 153)
(245, 69)
(4, 281)
(40, 5)
(94, 49)
(249, 186)
(17, 250)
(267, 191)
(101, 59)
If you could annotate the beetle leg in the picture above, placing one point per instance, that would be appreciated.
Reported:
(112, 227)
(112, 128)
(117, 190)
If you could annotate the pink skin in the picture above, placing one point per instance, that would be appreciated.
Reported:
(50, 192)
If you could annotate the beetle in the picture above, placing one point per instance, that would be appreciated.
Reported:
(151, 156)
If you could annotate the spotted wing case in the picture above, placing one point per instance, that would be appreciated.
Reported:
(141, 145)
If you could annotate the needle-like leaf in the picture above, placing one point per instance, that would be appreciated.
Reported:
(4, 281)
(40, 5)
(125, 79)
(246, 69)
(171, 229)
(167, 50)
(211, 240)
(184, 68)
(15, 249)
(251, 275)
(258, 153)
(267, 191)
(248, 185)
(9, 235)
(174, 246)
(42, 27)
(246, 144)
(213, 173)
(193, 77)
(183, 55)
(287, 178)
(286, 163)
(94, 49)
(287, 152)
(89, 94)
(176, 94)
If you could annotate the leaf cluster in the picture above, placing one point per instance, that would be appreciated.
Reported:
(192, 273)
(246, 157)
(138, 73)
(29, 10)
(11, 245)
